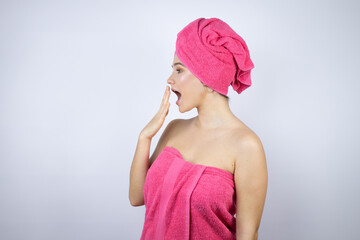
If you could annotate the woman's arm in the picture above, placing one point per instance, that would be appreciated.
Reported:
(251, 181)
(140, 164)
(139, 168)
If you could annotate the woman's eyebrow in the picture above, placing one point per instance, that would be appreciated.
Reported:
(178, 64)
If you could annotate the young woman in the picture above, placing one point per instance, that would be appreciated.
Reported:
(207, 178)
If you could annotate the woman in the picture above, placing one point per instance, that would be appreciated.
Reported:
(206, 169)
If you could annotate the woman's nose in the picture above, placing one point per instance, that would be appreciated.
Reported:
(170, 80)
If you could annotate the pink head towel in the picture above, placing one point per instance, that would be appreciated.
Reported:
(215, 54)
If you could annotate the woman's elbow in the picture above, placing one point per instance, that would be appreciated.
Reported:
(247, 236)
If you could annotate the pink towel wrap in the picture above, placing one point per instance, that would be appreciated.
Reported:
(184, 200)
(215, 54)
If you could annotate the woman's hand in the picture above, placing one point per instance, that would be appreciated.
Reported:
(155, 124)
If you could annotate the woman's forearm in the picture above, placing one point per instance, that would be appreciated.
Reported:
(138, 171)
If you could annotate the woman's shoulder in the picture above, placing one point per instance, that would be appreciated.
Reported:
(242, 136)
(246, 140)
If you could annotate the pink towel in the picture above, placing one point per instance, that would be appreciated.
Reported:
(184, 200)
(215, 54)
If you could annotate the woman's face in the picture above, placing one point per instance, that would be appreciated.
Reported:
(183, 83)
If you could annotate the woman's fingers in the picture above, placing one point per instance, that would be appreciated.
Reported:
(165, 112)
(165, 100)
(165, 94)
(157, 121)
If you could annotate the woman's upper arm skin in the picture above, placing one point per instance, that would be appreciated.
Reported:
(251, 179)
(163, 140)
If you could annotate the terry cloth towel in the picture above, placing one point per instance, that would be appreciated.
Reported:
(184, 200)
(215, 54)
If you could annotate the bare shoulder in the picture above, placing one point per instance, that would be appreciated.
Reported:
(164, 138)
(247, 142)
(247, 148)
(241, 135)
(250, 162)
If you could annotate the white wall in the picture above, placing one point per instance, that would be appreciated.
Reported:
(80, 79)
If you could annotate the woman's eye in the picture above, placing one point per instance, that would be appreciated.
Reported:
(178, 70)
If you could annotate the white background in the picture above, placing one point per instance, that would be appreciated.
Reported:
(80, 79)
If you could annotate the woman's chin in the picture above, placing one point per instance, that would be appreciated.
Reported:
(182, 108)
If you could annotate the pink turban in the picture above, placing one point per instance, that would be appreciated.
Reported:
(215, 54)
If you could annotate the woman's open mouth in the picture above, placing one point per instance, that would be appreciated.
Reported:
(178, 95)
